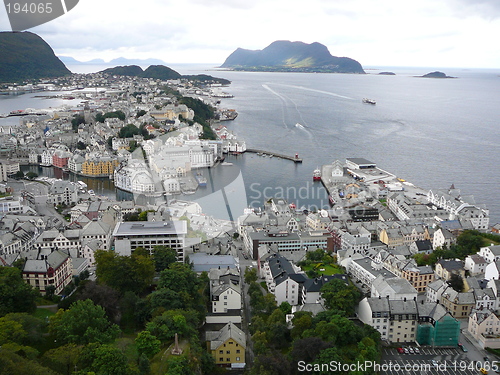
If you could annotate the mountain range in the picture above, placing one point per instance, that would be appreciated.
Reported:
(283, 55)
(68, 60)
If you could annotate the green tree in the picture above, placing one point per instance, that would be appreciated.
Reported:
(128, 131)
(456, 282)
(21, 328)
(102, 295)
(81, 146)
(31, 175)
(147, 344)
(83, 323)
(124, 273)
(163, 257)
(19, 174)
(285, 307)
(250, 275)
(144, 365)
(182, 280)
(165, 326)
(62, 359)
(316, 255)
(77, 120)
(103, 359)
(341, 297)
(15, 294)
(302, 321)
(15, 361)
(11, 331)
(165, 298)
(179, 365)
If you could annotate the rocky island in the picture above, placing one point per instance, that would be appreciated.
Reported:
(436, 74)
(286, 56)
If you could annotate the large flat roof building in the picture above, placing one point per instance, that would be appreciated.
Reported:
(130, 235)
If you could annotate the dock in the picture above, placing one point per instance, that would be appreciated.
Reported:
(295, 158)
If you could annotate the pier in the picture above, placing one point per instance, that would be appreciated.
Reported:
(295, 158)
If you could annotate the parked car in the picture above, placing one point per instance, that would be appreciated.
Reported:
(406, 350)
(410, 349)
(401, 351)
(417, 350)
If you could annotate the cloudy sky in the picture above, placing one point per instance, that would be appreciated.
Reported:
(428, 33)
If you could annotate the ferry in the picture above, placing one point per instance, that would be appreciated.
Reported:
(317, 175)
(369, 101)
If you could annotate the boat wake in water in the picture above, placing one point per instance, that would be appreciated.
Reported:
(283, 102)
(315, 90)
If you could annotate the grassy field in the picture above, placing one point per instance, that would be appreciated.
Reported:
(42, 313)
(329, 269)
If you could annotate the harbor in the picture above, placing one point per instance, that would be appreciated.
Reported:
(295, 158)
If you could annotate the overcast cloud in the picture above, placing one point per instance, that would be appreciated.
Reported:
(446, 33)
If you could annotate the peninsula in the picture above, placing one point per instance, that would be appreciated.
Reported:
(286, 56)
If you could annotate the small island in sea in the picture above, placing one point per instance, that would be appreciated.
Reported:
(436, 74)
(286, 56)
(387, 73)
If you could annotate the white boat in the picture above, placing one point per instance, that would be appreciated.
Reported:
(369, 101)
(226, 163)
(300, 126)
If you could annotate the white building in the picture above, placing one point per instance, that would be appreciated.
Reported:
(283, 280)
(63, 192)
(225, 290)
(133, 234)
(492, 271)
(134, 176)
(475, 264)
(490, 253)
(394, 288)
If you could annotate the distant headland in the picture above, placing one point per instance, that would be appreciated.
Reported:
(162, 72)
(286, 56)
(26, 56)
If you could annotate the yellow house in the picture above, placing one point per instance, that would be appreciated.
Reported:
(227, 346)
(101, 167)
